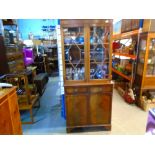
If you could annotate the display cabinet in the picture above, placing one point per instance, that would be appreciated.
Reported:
(145, 73)
(86, 54)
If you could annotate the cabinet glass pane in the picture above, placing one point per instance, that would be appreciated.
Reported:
(99, 52)
(151, 58)
(74, 53)
(141, 56)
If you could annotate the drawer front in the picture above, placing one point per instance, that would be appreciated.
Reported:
(101, 89)
(73, 90)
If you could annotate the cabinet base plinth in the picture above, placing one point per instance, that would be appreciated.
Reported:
(88, 128)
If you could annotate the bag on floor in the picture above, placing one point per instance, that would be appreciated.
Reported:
(129, 96)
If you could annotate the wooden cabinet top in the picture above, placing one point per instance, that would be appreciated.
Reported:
(78, 22)
(6, 91)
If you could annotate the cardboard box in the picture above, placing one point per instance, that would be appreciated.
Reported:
(149, 25)
(135, 23)
(126, 25)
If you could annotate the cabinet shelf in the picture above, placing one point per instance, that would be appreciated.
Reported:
(99, 62)
(146, 88)
(74, 62)
(74, 44)
(121, 74)
(125, 35)
(99, 44)
(125, 55)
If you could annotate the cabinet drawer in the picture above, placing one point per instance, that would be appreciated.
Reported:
(96, 90)
(101, 89)
(107, 88)
(72, 90)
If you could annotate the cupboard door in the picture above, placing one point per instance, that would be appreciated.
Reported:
(100, 109)
(76, 110)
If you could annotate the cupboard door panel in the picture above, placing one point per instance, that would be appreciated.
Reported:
(76, 110)
(100, 109)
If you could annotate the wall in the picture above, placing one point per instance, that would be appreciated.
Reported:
(26, 26)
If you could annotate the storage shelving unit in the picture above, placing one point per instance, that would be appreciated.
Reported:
(126, 58)
(86, 48)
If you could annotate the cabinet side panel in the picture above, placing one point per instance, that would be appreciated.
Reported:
(5, 119)
(15, 115)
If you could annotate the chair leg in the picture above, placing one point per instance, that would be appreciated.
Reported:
(38, 104)
(31, 115)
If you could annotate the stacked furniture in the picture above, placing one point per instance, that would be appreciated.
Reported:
(86, 46)
(12, 65)
(11, 59)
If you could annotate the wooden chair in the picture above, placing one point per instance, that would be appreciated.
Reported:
(26, 99)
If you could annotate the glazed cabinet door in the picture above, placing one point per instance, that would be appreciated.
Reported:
(74, 53)
(100, 108)
(99, 52)
(76, 110)
(150, 69)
